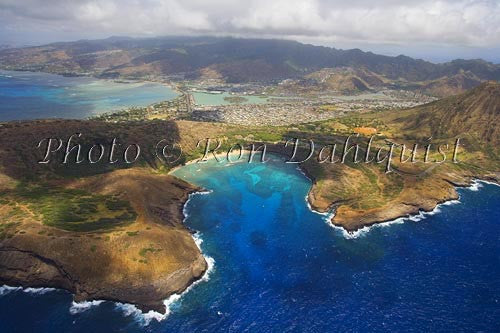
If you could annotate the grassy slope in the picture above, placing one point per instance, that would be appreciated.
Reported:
(362, 194)
(365, 194)
(97, 234)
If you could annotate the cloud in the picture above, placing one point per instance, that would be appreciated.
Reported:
(473, 23)
(462, 23)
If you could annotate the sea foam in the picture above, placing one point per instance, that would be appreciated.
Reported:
(78, 307)
(130, 309)
(476, 185)
(327, 217)
(145, 318)
(4, 290)
(414, 218)
(38, 291)
(191, 195)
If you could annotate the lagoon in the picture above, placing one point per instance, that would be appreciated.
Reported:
(281, 267)
(33, 95)
(202, 98)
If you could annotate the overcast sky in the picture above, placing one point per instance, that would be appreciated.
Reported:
(434, 30)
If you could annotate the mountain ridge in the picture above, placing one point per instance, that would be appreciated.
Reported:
(238, 60)
(471, 116)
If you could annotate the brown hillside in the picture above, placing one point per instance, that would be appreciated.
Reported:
(474, 114)
(453, 85)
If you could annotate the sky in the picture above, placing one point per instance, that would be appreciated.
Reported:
(433, 30)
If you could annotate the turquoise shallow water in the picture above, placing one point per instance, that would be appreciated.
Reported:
(218, 99)
(280, 268)
(27, 95)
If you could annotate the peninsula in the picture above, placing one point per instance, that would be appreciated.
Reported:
(114, 231)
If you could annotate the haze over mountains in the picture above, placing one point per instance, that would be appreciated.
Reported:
(249, 60)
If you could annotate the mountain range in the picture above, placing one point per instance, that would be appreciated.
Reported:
(236, 60)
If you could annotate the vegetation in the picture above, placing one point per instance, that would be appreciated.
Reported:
(235, 99)
(145, 250)
(271, 60)
(71, 209)
(7, 229)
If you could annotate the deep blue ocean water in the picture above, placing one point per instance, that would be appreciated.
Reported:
(27, 95)
(280, 268)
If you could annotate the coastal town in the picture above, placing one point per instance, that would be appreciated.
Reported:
(250, 105)
(252, 175)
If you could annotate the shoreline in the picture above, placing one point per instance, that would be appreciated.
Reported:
(145, 317)
(120, 80)
(222, 156)
(129, 309)
(159, 221)
(329, 214)
(134, 310)
(475, 185)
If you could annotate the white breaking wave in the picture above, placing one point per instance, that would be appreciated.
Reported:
(478, 183)
(145, 318)
(141, 317)
(4, 290)
(414, 218)
(130, 309)
(475, 186)
(38, 291)
(303, 173)
(78, 307)
(191, 195)
(488, 182)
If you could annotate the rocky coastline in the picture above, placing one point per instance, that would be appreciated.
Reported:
(143, 263)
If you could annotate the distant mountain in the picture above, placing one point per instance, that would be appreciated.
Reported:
(341, 80)
(474, 115)
(238, 60)
(451, 85)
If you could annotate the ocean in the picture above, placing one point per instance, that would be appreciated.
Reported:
(29, 95)
(279, 267)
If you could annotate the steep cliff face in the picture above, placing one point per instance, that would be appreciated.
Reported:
(106, 233)
(364, 194)
(141, 263)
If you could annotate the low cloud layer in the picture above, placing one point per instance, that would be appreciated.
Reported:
(469, 24)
